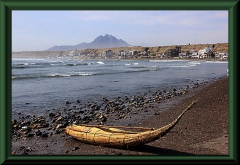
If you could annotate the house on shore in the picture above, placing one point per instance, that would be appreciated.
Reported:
(107, 54)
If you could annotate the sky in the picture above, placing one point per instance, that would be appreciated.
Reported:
(42, 29)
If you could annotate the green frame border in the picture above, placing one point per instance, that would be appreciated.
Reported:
(6, 6)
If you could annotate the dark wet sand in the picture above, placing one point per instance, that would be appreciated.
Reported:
(203, 130)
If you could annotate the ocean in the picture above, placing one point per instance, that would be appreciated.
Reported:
(40, 85)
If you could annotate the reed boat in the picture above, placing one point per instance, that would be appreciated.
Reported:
(119, 136)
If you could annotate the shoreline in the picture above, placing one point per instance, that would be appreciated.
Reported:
(197, 133)
(124, 59)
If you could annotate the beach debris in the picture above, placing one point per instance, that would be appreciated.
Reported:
(75, 148)
(25, 128)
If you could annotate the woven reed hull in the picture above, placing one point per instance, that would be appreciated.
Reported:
(98, 136)
(110, 136)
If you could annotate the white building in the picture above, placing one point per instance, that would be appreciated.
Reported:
(72, 53)
(204, 51)
(132, 52)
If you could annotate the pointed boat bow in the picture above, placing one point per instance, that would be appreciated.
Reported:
(113, 136)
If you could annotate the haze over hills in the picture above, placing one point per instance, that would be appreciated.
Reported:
(107, 41)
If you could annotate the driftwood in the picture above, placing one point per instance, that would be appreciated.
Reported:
(115, 136)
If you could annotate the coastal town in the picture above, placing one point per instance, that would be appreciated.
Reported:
(218, 51)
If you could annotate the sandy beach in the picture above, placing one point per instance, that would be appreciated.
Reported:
(203, 130)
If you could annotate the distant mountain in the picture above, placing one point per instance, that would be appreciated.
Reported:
(107, 41)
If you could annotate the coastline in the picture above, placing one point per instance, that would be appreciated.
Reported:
(203, 130)
(124, 59)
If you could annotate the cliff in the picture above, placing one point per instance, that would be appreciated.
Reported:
(219, 47)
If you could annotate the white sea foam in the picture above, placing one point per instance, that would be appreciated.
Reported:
(27, 59)
(84, 74)
(24, 64)
(100, 62)
(194, 63)
(181, 66)
(166, 60)
(58, 74)
(219, 62)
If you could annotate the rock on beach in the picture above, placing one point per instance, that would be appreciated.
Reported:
(195, 133)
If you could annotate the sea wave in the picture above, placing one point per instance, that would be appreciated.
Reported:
(181, 66)
(70, 74)
(46, 64)
(51, 75)
(100, 62)
(27, 59)
(219, 62)
(20, 65)
(167, 60)
(99, 72)
(194, 62)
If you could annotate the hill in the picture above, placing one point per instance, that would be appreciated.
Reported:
(107, 41)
